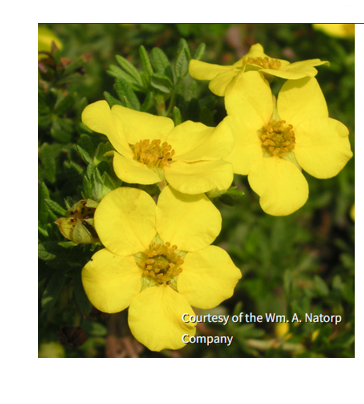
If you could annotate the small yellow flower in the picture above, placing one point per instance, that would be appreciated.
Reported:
(272, 144)
(150, 150)
(337, 30)
(158, 260)
(221, 76)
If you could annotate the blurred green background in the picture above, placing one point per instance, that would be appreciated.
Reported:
(303, 263)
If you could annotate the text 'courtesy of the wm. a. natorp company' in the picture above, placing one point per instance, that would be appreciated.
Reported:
(248, 318)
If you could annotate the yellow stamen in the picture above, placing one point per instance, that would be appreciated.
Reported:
(277, 138)
(265, 63)
(153, 153)
(165, 264)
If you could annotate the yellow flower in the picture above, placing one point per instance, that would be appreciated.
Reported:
(150, 150)
(255, 59)
(158, 260)
(272, 144)
(45, 39)
(337, 30)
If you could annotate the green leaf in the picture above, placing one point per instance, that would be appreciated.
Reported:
(43, 194)
(65, 104)
(55, 207)
(117, 72)
(48, 156)
(147, 103)
(125, 92)
(161, 63)
(320, 286)
(80, 296)
(85, 156)
(62, 129)
(145, 60)
(161, 83)
(87, 145)
(200, 51)
(74, 65)
(181, 64)
(182, 44)
(53, 290)
(206, 116)
(112, 100)
(130, 69)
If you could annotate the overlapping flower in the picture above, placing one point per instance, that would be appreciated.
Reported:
(158, 260)
(272, 144)
(221, 76)
(150, 150)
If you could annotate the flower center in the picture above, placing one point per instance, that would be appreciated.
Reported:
(161, 262)
(265, 63)
(277, 138)
(153, 153)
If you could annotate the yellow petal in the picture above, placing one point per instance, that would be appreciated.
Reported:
(190, 222)
(111, 281)
(155, 318)
(99, 118)
(249, 95)
(133, 172)
(248, 147)
(297, 70)
(201, 177)
(209, 277)
(337, 30)
(322, 146)
(280, 184)
(301, 99)
(194, 141)
(206, 71)
(125, 221)
(141, 125)
(219, 84)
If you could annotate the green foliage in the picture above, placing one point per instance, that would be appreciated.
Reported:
(303, 263)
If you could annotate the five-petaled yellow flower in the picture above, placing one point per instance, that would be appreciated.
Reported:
(151, 150)
(221, 76)
(158, 260)
(271, 145)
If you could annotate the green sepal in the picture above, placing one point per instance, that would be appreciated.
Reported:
(81, 234)
(177, 117)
